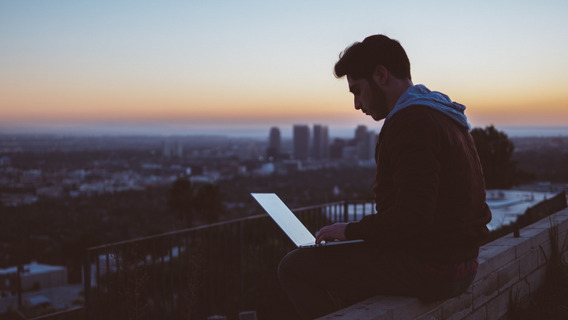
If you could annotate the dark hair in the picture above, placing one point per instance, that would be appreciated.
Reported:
(361, 58)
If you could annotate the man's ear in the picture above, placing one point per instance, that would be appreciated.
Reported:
(381, 75)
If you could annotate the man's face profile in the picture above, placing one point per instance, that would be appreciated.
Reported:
(368, 97)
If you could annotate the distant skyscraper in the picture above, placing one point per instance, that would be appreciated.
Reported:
(361, 133)
(336, 148)
(320, 145)
(172, 148)
(301, 142)
(274, 143)
(372, 143)
(325, 143)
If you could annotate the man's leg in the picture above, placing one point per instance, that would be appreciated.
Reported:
(355, 271)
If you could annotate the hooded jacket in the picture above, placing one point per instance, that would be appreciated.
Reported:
(429, 187)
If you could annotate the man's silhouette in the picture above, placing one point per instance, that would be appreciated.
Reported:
(429, 192)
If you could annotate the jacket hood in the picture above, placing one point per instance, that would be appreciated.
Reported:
(420, 95)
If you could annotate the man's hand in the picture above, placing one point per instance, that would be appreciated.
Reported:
(333, 232)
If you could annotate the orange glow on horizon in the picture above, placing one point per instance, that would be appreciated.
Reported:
(241, 105)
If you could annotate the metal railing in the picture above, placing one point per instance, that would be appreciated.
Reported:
(224, 268)
(69, 314)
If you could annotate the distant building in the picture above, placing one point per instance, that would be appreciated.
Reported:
(250, 151)
(362, 143)
(50, 192)
(507, 205)
(350, 153)
(336, 148)
(361, 133)
(17, 199)
(288, 166)
(320, 146)
(274, 144)
(266, 169)
(166, 149)
(5, 161)
(172, 149)
(32, 176)
(34, 276)
(301, 142)
(372, 139)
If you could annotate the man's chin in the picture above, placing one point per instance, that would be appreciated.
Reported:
(376, 118)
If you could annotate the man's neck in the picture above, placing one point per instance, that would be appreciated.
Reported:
(399, 86)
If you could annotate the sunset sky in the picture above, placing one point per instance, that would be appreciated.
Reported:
(195, 64)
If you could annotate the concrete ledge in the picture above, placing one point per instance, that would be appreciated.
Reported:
(509, 269)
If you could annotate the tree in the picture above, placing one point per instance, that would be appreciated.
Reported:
(495, 152)
(208, 202)
(200, 202)
(181, 199)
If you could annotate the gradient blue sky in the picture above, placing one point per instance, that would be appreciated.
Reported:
(193, 65)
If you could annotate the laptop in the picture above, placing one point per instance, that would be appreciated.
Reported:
(290, 224)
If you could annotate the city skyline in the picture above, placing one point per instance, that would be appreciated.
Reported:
(257, 131)
(193, 67)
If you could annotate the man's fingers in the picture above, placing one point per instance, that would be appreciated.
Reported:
(331, 233)
(320, 236)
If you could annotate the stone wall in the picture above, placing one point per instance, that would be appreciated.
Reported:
(510, 269)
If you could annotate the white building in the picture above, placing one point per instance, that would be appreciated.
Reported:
(35, 276)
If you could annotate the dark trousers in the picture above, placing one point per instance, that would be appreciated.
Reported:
(319, 281)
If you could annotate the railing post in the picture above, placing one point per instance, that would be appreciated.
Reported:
(241, 262)
(345, 211)
(87, 284)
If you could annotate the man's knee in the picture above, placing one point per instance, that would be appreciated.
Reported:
(289, 264)
(297, 263)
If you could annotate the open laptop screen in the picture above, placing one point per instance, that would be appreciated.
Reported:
(285, 218)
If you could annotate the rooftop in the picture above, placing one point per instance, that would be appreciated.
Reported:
(32, 268)
(507, 205)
